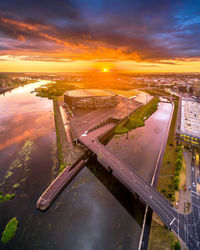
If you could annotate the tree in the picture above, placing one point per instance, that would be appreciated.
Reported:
(177, 246)
(178, 164)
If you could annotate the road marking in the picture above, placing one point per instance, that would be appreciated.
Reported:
(195, 205)
(172, 221)
(142, 192)
(195, 192)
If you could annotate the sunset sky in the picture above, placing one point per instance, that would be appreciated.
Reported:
(84, 35)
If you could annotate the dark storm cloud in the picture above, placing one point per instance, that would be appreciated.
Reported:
(141, 30)
(37, 10)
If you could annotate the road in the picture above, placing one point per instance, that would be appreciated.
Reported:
(187, 227)
(193, 219)
(131, 180)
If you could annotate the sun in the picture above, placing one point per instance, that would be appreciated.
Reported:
(105, 70)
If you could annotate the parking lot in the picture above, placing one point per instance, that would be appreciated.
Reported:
(190, 117)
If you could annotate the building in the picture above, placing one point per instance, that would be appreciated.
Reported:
(196, 88)
(188, 124)
(90, 98)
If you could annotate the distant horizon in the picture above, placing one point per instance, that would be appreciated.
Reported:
(116, 72)
(131, 36)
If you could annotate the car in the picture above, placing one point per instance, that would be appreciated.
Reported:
(189, 188)
(193, 184)
(192, 168)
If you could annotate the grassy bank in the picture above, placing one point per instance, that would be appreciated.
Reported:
(67, 155)
(58, 137)
(178, 167)
(160, 237)
(6, 197)
(183, 174)
(9, 231)
(138, 118)
(168, 167)
(159, 92)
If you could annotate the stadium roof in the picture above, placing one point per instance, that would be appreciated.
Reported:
(89, 92)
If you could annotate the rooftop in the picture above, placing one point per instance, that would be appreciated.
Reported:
(190, 117)
(89, 92)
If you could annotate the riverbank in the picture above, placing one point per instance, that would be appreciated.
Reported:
(54, 89)
(138, 118)
(15, 85)
(160, 236)
(67, 154)
(4, 90)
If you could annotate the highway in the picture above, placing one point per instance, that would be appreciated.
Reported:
(187, 227)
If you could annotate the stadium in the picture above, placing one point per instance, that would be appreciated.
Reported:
(90, 98)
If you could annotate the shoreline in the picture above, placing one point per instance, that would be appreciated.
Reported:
(156, 223)
(68, 153)
(3, 91)
(154, 180)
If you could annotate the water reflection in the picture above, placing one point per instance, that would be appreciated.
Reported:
(20, 100)
(85, 216)
(142, 148)
(22, 127)
(93, 212)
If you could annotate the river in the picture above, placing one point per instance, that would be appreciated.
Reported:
(143, 145)
(91, 213)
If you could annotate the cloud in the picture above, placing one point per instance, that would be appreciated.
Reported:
(112, 30)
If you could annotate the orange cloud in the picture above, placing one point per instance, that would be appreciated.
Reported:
(38, 46)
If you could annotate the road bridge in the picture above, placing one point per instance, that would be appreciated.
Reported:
(161, 206)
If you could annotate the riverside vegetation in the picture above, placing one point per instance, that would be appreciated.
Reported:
(178, 166)
(160, 236)
(52, 90)
(138, 118)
